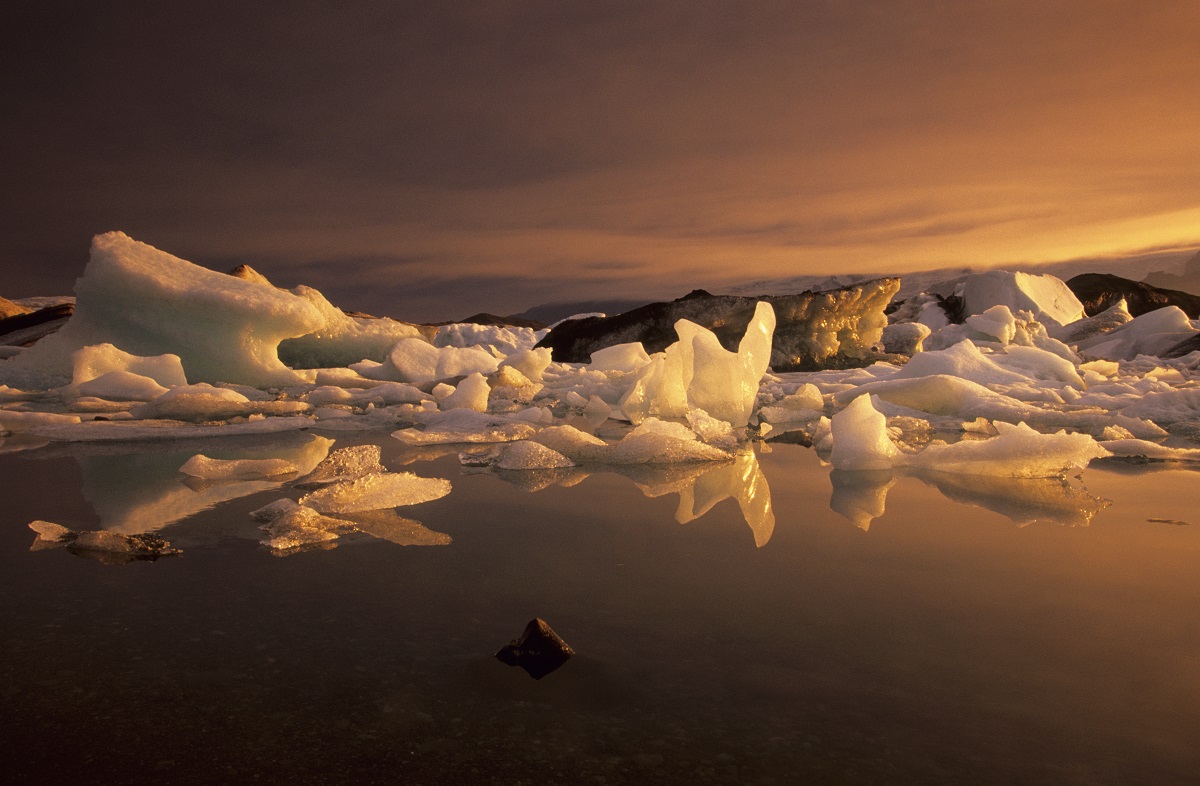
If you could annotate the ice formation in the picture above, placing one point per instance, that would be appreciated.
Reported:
(147, 302)
(471, 393)
(416, 360)
(1049, 299)
(697, 372)
(344, 464)
(375, 492)
(497, 340)
(861, 442)
(526, 455)
(342, 339)
(205, 468)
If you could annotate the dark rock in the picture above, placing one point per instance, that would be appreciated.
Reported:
(484, 318)
(837, 328)
(1185, 347)
(11, 309)
(24, 329)
(539, 650)
(1100, 291)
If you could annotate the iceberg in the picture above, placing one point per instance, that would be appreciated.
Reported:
(148, 303)
(697, 372)
(1046, 297)
(861, 442)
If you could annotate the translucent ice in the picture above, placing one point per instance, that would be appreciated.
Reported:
(620, 357)
(376, 492)
(531, 362)
(861, 442)
(698, 372)
(860, 438)
(526, 455)
(121, 386)
(497, 339)
(205, 468)
(343, 339)
(148, 302)
(344, 464)
(91, 362)
(471, 393)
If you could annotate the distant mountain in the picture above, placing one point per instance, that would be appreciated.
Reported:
(1187, 281)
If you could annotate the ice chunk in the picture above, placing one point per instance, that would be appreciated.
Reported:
(121, 386)
(620, 357)
(653, 442)
(205, 468)
(274, 510)
(532, 362)
(861, 442)
(1153, 333)
(471, 393)
(195, 402)
(343, 339)
(499, 340)
(375, 492)
(860, 438)
(466, 425)
(997, 322)
(298, 527)
(697, 372)
(416, 360)
(1047, 298)
(526, 455)
(148, 302)
(905, 338)
(1018, 451)
(27, 421)
(1089, 327)
(344, 464)
(1140, 448)
(49, 531)
(92, 362)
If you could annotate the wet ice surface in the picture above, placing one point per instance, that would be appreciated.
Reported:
(892, 626)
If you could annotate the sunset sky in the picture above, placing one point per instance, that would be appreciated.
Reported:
(430, 160)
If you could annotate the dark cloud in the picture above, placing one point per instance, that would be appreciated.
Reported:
(609, 144)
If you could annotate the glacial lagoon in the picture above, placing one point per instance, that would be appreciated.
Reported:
(803, 626)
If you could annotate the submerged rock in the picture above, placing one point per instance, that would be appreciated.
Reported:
(539, 650)
(813, 329)
(1101, 291)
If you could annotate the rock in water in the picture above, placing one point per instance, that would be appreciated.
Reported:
(1100, 291)
(539, 650)
(813, 329)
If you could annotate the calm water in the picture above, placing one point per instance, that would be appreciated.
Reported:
(944, 644)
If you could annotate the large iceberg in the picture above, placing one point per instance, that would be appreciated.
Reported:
(148, 302)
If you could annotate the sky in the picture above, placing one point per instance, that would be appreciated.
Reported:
(432, 160)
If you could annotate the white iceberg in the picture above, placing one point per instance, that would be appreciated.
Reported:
(147, 302)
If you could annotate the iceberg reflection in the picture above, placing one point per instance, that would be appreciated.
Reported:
(861, 497)
(700, 485)
(134, 493)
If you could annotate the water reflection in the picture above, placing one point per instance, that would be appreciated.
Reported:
(134, 493)
(700, 486)
(861, 497)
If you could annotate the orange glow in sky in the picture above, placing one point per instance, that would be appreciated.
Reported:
(610, 148)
